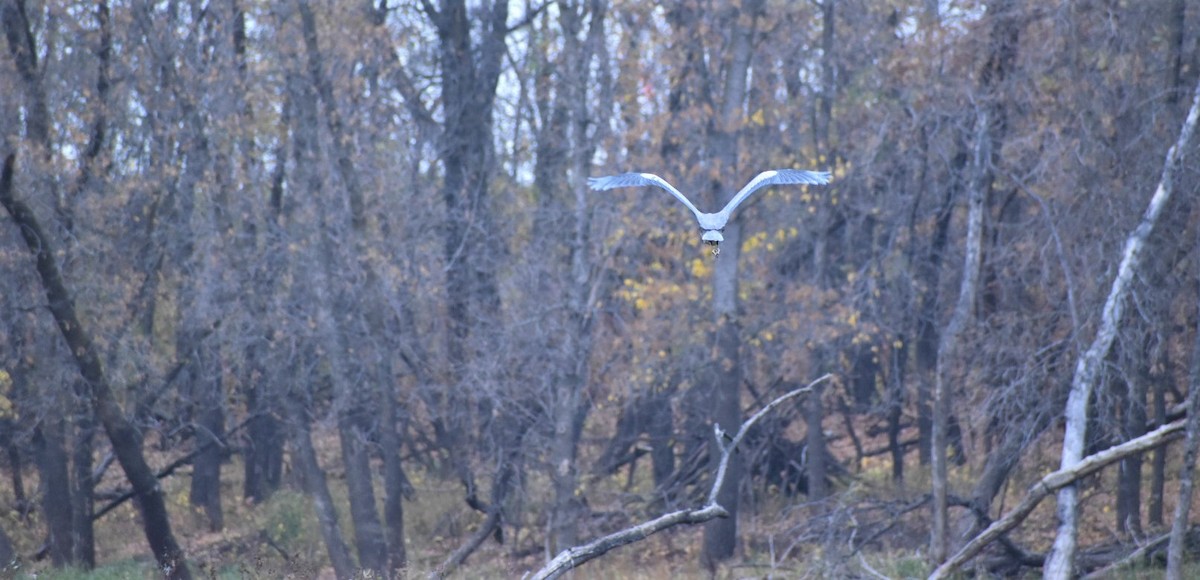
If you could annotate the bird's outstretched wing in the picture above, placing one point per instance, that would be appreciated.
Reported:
(639, 180)
(775, 177)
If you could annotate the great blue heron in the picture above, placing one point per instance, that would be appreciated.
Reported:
(713, 223)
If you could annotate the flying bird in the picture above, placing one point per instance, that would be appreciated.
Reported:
(713, 223)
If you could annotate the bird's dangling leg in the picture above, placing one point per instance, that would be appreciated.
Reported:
(716, 250)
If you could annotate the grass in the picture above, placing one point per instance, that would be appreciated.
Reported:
(122, 570)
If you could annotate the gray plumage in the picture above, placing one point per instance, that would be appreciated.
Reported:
(713, 223)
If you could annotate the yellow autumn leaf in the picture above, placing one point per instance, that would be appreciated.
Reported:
(758, 118)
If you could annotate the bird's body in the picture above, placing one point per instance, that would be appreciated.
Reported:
(713, 223)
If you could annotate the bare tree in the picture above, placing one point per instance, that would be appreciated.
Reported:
(564, 155)
(948, 349)
(126, 441)
(470, 52)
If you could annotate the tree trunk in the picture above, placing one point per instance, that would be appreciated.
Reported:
(1060, 561)
(372, 540)
(395, 484)
(1158, 476)
(1129, 470)
(469, 78)
(660, 431)
(263, 451)
(815, 466)
(990, 128)
(55, 488)
(316, 486)
(188, 246)
(720, 535)
(1176, 20)
(574, 369)
(368, 530)
(948, 348)
(929, 270)
(895, 408)
(82, 502)
(16, 465)
(205, 490)
(568, 507)
(823, 130)
(1187, 473)
(325, 339)
(469, 74)
(9, 563)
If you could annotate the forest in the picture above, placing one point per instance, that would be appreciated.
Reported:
(320, 289)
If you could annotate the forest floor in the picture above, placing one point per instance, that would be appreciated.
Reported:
(783, 536)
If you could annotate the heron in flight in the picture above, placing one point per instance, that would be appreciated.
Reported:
(713, 223)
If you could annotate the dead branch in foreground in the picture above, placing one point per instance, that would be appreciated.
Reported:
(1052, 483)
(578, 555)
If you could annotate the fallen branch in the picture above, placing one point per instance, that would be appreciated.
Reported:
(1052, 483)
(578, 555)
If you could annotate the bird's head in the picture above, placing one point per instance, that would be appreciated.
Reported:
(713, 237)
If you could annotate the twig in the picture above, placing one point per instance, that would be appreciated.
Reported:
(578, 555)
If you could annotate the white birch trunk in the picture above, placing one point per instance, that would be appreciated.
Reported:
(1060, 561)
(948, 348)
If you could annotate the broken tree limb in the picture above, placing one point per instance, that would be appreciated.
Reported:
(1053, 482)
(578, 555)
